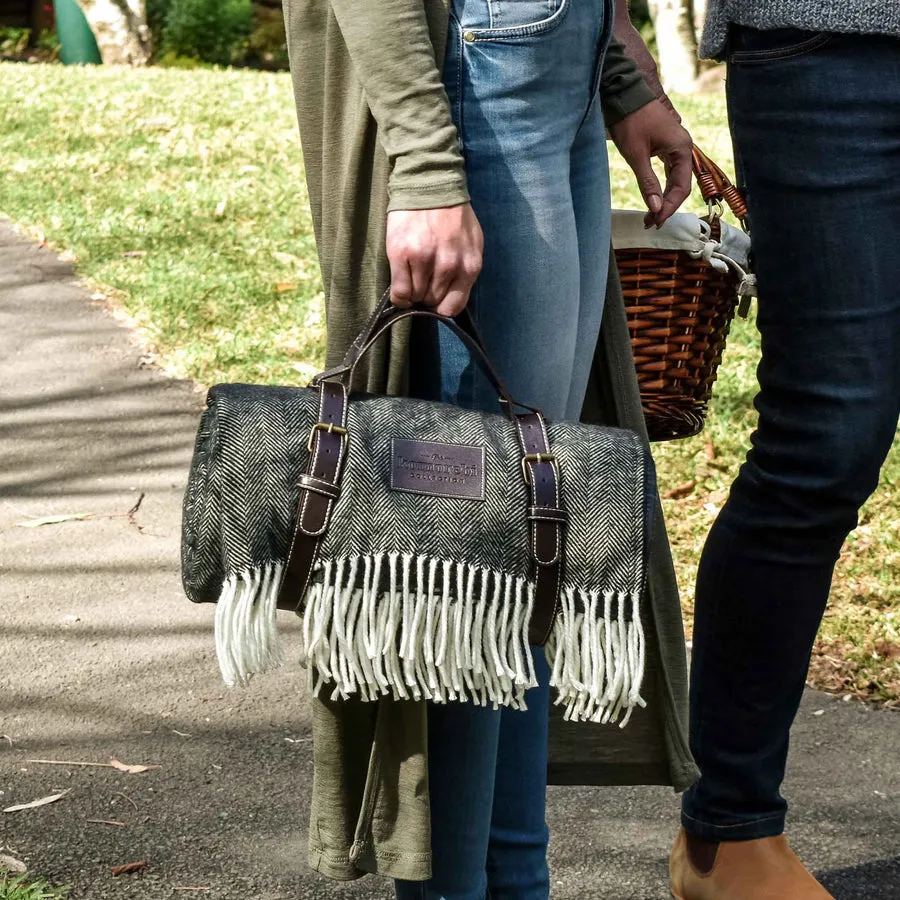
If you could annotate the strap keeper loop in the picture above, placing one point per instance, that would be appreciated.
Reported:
(548, 514)
(319, 486)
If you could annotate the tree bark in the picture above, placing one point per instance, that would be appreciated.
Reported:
(120, 27)
(676, 39)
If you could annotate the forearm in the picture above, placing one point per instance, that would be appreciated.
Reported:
(390, 44)
(635, 48)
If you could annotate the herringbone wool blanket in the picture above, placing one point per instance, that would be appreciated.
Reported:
(415, 594)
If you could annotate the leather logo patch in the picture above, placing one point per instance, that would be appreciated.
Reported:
(439, 470)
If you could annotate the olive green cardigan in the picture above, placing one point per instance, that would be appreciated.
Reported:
(377, 134)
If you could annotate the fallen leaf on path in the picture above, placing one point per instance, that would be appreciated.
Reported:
(36, 803)
(106, 822)
(53, 520)
(11, 864)
(680, 492)
(128, 868)
(131, 770)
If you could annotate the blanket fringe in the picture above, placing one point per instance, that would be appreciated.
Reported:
(422, 628)
(247, 641)
(597, 654)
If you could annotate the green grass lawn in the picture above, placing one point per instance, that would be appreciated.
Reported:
(181, 197)
(22, 888)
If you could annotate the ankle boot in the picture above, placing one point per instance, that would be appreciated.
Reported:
(764, 869)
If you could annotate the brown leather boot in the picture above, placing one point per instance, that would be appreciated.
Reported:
(765, 869)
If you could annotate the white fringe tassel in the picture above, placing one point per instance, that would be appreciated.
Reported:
(419, 628)
(247, 640)
(598, 657)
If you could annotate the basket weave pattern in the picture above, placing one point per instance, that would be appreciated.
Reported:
(679, 313)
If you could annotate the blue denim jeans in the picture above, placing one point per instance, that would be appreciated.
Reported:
(816, 127)
(522, 76)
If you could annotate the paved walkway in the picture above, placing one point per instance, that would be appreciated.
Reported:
(102, 657)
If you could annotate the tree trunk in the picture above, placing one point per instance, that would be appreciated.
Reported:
(699, 16)
(676, 39)
(120, 27)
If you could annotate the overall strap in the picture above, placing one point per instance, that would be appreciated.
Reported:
(547, 519)
(319, 488)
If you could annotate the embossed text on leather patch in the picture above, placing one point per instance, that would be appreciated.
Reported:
(441, 470)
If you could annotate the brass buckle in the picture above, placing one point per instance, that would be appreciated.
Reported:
(331, 428)
(537, 458)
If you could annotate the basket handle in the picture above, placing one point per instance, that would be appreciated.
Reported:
(717, 187)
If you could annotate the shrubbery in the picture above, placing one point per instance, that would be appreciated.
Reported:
(188, 33)
(212, 31)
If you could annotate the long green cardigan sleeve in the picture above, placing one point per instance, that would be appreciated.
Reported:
(390, 45)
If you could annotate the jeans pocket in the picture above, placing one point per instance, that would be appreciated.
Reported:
(515, 19)
(752, 45)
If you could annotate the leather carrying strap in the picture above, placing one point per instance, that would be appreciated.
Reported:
(320, 485)
(547, 520)
(319, 488)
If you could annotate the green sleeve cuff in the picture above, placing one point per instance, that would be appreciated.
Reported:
(625, 103)
(429, 195)
(622, 87)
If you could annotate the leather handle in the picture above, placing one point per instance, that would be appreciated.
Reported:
(463, 327)
(382, 308)
(384, 312)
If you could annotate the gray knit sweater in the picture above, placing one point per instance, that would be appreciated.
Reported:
(860, 16)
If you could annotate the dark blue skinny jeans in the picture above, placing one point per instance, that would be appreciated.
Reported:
(816, 126)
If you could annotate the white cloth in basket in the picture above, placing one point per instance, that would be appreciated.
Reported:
(688, 232)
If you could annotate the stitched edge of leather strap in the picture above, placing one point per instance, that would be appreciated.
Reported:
(546, 530)
(319, 486)
(315, 506)
(545, 514)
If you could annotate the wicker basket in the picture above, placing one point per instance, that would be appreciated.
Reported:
(680, 310)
